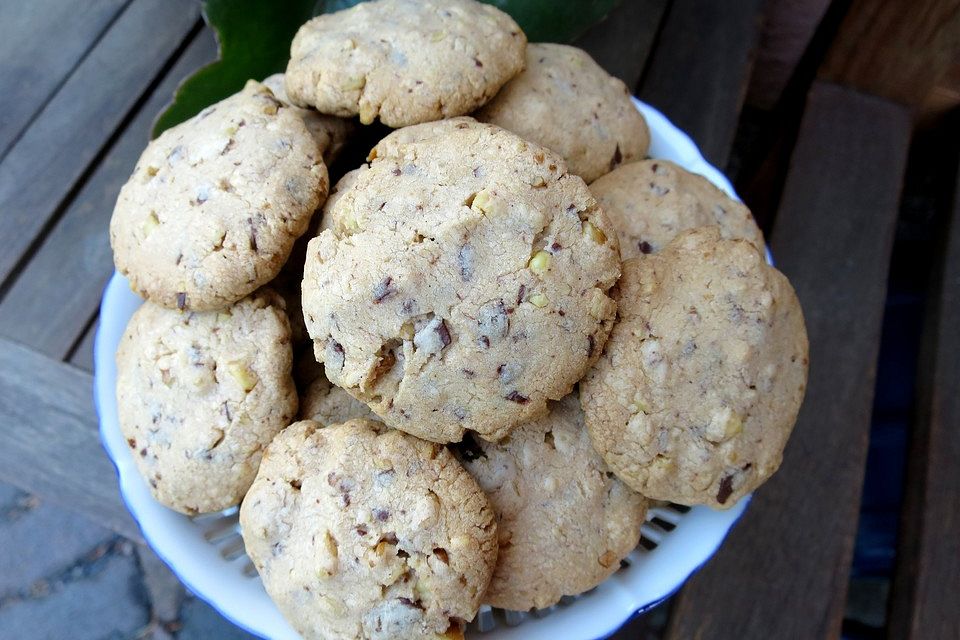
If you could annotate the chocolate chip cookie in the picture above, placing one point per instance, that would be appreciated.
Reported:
(461, 282)
(201, 394)
(702, 378)
(650, 202)
(363, 532)
(564, 522)
(215, 204)
(567, 102)
(404, 61)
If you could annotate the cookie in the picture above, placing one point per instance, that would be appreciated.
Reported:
(215, 204)
(462, 281)
(404, 61)
(201, 394)
(567, 102)
(650, 202)
(330, 132)
(564, 522)
(328, 404)
(698, 389)
(702, 378)
(363, 532)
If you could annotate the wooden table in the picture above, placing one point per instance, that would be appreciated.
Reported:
(81, 83)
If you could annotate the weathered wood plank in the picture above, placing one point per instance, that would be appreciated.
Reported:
(896, 50)
(40, 43)
(699, 71)
(788, 28)
(621, 43)
(49, 444)
(53, 153)
(82, 355)
(74, 262)
(784, 568)
(927, 581)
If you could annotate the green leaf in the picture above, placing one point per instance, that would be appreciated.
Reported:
(541, 20)
(254, 37)
(555, 20)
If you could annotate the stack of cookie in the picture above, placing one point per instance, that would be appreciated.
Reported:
(456, 288)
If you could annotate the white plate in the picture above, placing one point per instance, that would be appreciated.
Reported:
(207, 553)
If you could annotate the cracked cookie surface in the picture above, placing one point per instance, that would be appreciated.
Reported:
(700, 383)
(567, 102)
(461, 280)
(201, 394)
(651, 201)
(215, 204)
(359, 531)
(329, 404)
(564, 522)
(404, 61)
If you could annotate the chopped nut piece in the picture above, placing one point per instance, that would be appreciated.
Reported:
(591, 231)
(354, 83)
(437, 36)
(246, 378)
(483, 202)
(538, 300)
(151, 223)
(406, 331)
(539, 263)
(368, 113)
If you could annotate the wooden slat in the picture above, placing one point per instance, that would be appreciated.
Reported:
(82, 355)
(788, 28)
(621, 43)
(74, 262)
(896, 50)
(783, 571)
(49, 443)
(51, 156)
(924, 599)
(699, 71)
(40, 42)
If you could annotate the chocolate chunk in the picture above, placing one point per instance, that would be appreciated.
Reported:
(556, 246)
(181, 300)
(132, 443)
(466, 258)
(513, 396)
(616, 159)
(484, 342)
(644, 247)
(410, 603)
(726, 488)
(591, 345)
(381, 514)
(433, 336)
(520, 293)
(334, 354)
(492, 321)
(383, 290)
(396, 171)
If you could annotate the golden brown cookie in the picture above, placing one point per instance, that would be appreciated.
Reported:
(564, 522)
(215, 204)
(404, 61)
(700, 383)
(461, 282)
(201, 394)
(363, 532)
(651, 201)
(567, 102)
